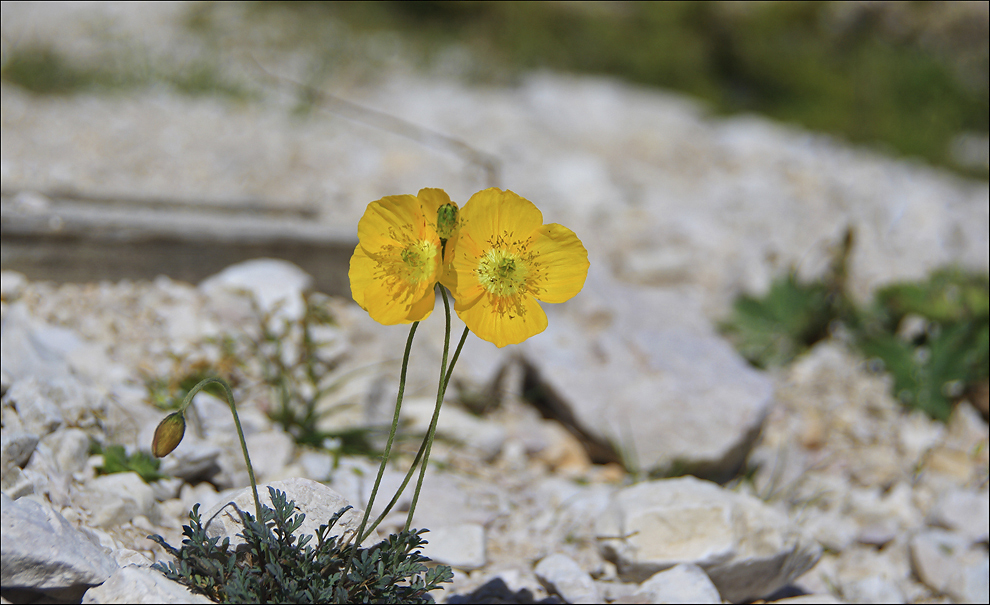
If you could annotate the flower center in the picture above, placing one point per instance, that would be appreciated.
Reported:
(418, 259)
(502, 273)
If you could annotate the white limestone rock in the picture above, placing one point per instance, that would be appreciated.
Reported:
(454, 423)
(461, 545)
(561, 575)
(43, 552)
(683, 583)
(944, 560)
(872, 589)
(12, 284)
(739, 541)
(16, 449)
(277, 285)
(642, 368)
(37, 405)
(963, 511)
(117, 498)
(134, 584)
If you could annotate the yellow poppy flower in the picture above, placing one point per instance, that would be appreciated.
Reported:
(398, 260)
(505, 261)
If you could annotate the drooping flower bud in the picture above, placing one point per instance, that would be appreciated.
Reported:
(168, 435)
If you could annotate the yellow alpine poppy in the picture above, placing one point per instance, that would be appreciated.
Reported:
(506, 260)
(398, 259)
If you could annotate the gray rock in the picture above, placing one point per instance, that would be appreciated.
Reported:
(975, 584)
(36, 405)
(116, 498)
(497, 591)
(316, 500)
(874, 589)
(12, 285)
(461, 546)
(684, 583)
(964, 511)
(277, 448)
(194, 460)
(454, 423)
(641, 368)
(739, 541)
(941, 559)
(141, 585)
(276, 285)
(17, 483)
(809, 599)
(69, 449)
(561, 575)
(43, 552)
(16, 449)
(32, 348)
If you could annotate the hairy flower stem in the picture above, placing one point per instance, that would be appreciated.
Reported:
(237, 423)
(419, 454)
(441, 390)
(391, 436)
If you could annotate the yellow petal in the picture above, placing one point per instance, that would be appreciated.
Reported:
(389, 301)
(496, 218)
(359, 275)
(397, 263)
(504, 321)
(459, 272)
(421, 309)
(390, 221)
(431, 200)
(563, 264)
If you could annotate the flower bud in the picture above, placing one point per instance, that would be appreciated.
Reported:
(446, 221)
(169, 434)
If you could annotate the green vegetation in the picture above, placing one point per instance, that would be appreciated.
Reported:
(905, 76)
(299, 368)
(278, 567)
(116, 460)
(931, 336)
(168, 393)
(43, 69)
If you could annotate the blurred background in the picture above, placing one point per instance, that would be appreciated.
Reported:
(909, 78)
(786, 208)
(711, 150)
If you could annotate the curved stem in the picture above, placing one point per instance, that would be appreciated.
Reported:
(237, 423)
(391, 434)
(398, 492)
(441, 388)
(419, 454)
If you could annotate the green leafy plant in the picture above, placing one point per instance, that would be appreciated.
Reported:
(280, 567)
(945, 353)
(931, 336)
(301, 380)
(290, 357)
(276, 566)
(117, 460)
(772, 330)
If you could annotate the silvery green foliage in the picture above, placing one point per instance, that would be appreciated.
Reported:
(275, 566)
